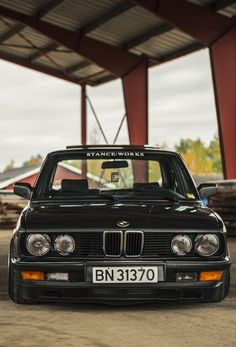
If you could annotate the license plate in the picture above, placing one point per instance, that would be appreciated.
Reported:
(124, 274)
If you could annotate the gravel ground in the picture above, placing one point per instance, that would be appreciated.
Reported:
(57, 325)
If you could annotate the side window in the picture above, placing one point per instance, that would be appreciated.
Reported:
(66, 170)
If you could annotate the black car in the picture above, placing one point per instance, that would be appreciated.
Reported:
(117, 224)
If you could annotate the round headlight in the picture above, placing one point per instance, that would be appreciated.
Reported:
(181, 244)
(64, 244)
(206, 244)
(38, 244)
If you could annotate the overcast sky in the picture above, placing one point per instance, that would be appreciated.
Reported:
(40, 113)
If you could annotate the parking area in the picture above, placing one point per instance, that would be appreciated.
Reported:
(104, 326)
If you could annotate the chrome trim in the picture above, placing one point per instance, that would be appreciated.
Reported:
(125, 241)
(104, 242)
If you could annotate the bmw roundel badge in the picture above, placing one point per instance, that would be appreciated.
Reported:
(122, 224)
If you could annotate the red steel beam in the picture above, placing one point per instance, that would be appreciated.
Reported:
(197, 21)
(49, 71)
(39, 68)
(111, 58)
(135, 87)
(223, 62)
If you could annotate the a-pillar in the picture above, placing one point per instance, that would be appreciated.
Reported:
(223, 62)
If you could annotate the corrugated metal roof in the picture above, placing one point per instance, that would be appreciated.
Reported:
(4, 28)
(74, 15)
(103, 77)
(165, 44)
(229, 11)
(118, 22)
(203, 2)
(17, 52)
(29, 7)
(126, 26)
(33, 36)
(65, 60)
(87, 71)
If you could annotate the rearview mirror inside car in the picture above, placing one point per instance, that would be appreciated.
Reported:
(116, 164)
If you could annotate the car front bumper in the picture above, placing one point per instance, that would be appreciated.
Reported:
(81, 289)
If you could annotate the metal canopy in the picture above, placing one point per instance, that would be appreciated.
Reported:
(133, 31)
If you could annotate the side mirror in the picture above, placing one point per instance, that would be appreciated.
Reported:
(24, 190)
(206, 190)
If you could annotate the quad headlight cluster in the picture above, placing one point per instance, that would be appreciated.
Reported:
(40, 244)
(204, 244)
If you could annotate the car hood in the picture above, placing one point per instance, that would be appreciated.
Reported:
(106, 215)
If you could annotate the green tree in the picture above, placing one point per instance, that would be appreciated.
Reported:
(9, 166)
(34, 160)
(215, 155)
(199, 158)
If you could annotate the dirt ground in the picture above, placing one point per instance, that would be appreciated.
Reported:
(150, 325)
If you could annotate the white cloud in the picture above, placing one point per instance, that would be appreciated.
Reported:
(182, 100)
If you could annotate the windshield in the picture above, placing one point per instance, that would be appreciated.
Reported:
(131, 174)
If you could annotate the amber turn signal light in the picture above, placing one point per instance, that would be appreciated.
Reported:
(210, 276)
(33, 275)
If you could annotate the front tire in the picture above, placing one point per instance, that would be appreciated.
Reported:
(14, 290)
(224, 290)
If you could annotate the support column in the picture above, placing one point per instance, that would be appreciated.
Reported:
(223, 63)
(83, 127)
(135, 87)
(83, 116)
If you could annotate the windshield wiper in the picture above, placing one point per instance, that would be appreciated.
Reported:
(109, 196)
(157, 197)
(134, 195)
(169, 198)
(162, 193)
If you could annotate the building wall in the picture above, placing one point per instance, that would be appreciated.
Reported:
(31, 180)
(60, 173)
